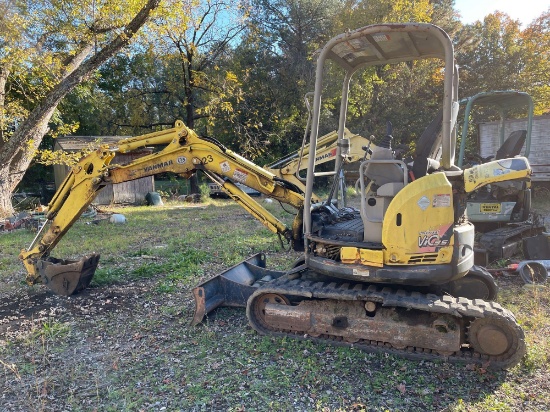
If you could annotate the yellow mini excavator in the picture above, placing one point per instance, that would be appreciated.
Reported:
(394, 276)
(397, 275)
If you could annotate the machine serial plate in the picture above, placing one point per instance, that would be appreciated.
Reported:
(489, 207)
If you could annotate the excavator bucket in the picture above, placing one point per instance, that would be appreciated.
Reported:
(232, 287)
(65, 277)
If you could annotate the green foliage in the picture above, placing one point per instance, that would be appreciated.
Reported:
(205, 191)
(51, 330)
(490, 55)
(107, 276)
(363, 13)
(243, 81)
(41, 42)
(535, 76)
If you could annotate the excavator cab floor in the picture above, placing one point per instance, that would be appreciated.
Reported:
(232, 287)
(66, 277)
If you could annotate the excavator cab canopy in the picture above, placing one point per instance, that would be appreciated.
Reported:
(504, 101)
(382, 44)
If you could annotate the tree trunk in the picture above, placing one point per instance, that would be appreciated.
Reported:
(6, 208)
(17, 152)
(189, 108)
(4, 73)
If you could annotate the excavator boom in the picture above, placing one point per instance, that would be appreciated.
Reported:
(184, 153)
(289, 167)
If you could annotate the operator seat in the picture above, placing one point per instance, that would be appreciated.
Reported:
(388, 177)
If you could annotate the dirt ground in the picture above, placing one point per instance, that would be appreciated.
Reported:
(129, 347)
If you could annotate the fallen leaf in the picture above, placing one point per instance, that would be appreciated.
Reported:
(471, 367)
(401, 388)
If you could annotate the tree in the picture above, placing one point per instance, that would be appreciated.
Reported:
(490, 56)
(274, 64)
(191, 54)
(178, 71)
(47, 48)
(392, 93)
(536, 56)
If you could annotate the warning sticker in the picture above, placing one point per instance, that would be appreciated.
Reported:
(361, 272)
(380, 37)
(443, 200)
(240, 175)
(225, 166)
(423, 202)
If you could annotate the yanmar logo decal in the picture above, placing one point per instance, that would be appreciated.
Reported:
(328, 155)
(161, 165)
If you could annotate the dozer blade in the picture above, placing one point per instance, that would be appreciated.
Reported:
(232, 287)
(65, 277)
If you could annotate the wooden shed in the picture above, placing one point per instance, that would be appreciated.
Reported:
(128, 192)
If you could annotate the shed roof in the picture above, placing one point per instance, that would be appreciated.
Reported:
(77, 143)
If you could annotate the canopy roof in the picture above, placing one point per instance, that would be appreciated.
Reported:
(501, 99)
(389, 43)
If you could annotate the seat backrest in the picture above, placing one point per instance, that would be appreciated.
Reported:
(427, 145)
(512, 146)
(390, 189)
(381, 173)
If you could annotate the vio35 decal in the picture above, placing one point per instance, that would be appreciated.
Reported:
(432, 240)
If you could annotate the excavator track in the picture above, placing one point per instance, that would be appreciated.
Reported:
(404, 323)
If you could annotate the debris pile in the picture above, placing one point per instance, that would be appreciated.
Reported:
(23, 220)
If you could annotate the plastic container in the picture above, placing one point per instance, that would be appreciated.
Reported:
(534, 271)
(153, 199)
(117, 218)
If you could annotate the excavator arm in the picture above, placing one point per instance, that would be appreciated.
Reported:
(183, 152)
(289, 167)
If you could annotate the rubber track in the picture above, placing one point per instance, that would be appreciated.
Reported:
(389, 297)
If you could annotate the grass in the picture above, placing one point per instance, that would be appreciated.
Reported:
(126, 345)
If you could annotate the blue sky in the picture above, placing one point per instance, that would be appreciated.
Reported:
(524, 10)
